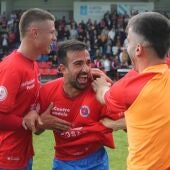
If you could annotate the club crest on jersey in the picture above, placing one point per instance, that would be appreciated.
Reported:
(3, 93)
(84, 111)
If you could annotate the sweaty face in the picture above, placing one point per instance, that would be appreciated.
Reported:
(77, 73)
(46, 35)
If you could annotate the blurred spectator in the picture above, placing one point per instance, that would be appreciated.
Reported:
(107, 37)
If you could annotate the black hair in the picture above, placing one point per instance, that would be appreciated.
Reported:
(154, 28)
(69, 45)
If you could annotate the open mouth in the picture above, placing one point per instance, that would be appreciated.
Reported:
(83, 79)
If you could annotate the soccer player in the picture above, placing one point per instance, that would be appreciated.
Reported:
(144, 95)
(19, 89)
(73, 99)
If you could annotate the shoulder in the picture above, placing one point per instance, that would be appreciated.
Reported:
(128, 88)
(55, 82)
(9, 67)
(52, 85)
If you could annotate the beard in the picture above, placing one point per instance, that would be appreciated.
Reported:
(81, 81)
(78, 86)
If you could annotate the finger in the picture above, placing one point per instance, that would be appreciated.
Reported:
(96, 72)
(63, 122)
(109, 80)
(99, 73)
(48, 110)
(32, 126)
(39, 121)
(24, 125)
(61, 127)
(109, 84)
(102, 80)
(94, 86)
(106, 78)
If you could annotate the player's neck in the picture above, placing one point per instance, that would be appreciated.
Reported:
(70, 91)
(27, 51)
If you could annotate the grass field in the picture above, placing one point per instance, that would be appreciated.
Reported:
(44, 151)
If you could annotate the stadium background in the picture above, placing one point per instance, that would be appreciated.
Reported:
(44, 143)
(106, 53)
(60, 7)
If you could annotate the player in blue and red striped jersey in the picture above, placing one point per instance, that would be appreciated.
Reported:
(82, 146)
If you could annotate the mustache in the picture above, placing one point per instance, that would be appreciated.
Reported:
(84, 74)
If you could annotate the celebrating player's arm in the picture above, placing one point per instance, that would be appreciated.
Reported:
(117, 121)
(115, 125)
(30, 121)
(38, 123)
(101, 88)
(51, 122)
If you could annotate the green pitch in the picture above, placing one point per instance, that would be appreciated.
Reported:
(44, 143)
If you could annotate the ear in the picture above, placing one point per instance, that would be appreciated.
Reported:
(139, 50)
(34, 33)
(62, 68)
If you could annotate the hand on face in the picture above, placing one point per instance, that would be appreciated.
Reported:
(100, 83)
(96, 73)
(100, 86)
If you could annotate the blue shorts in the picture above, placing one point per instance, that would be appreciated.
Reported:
(95, 161)
(29, 167)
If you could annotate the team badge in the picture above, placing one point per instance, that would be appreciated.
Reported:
(3, 93)
(84, 111)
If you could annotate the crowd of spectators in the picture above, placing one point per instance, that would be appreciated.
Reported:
(9, 32)
(106, 39)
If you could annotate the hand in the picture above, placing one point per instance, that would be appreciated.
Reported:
(30, 120)
(100, 83)
(112, 124)
(96, 73)
(100, 86)
(52, 122)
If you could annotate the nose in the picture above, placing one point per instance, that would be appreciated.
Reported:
(55, 37)
(85, 68)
